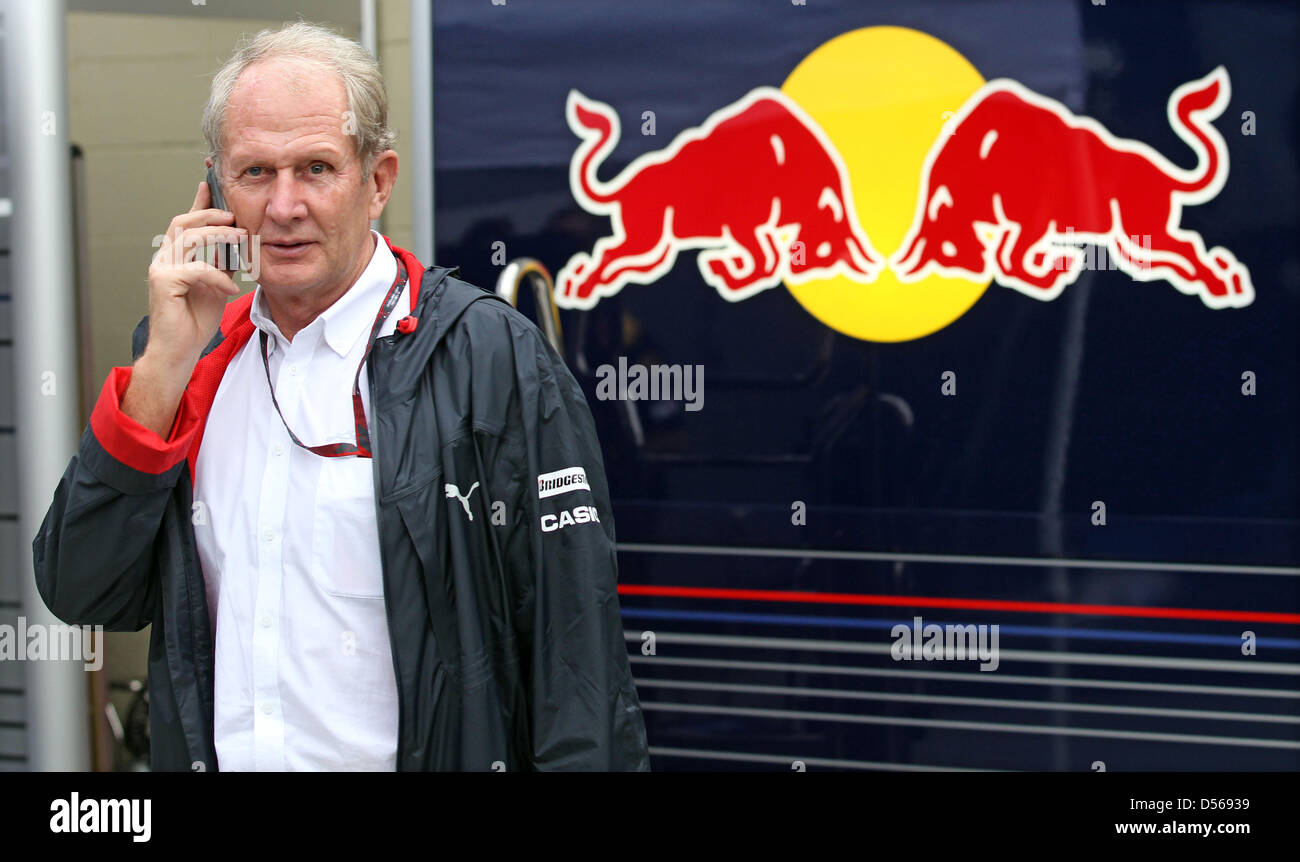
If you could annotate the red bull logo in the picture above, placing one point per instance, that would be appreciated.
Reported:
(800, 185)
(1020, 180)
(758, 189)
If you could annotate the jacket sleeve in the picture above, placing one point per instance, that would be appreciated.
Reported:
(94, 554)
(583, 707)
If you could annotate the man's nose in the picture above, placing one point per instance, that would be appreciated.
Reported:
(287, 201)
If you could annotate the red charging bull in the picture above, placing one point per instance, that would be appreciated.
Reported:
(1017, 180)
(757, 189)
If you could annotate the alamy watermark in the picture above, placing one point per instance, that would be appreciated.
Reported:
(56, 642)
(243, 258)
(1102, 252)
(933, 642)
(635, 382)
(130, 816)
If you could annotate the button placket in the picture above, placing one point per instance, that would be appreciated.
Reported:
(268, 718)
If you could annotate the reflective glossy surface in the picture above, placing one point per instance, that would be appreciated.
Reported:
(830, 488)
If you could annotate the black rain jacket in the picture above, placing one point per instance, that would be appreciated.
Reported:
(506, 637)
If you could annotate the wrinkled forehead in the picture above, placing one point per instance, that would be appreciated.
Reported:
(285, 96)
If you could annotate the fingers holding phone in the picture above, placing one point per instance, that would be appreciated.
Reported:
(186, 293)
(227, 255)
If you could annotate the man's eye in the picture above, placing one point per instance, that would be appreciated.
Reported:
(318, 165)
(254, 172)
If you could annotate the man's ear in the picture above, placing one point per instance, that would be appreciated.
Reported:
(383, 176)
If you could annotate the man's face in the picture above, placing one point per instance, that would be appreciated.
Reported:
(292, 176)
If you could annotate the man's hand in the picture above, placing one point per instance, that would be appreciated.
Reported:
(186, 298)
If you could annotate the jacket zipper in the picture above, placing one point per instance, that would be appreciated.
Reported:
(383, 565)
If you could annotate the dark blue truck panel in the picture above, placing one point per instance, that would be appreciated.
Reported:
(833, 487)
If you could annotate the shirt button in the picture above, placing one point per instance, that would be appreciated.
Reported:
(269, 536)
(278, 450)
(293, 370)
(266, 622)
(267, 708)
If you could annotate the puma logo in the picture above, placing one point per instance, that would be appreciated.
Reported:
(453, 491)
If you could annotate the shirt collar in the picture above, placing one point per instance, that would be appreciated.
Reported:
(351, 315)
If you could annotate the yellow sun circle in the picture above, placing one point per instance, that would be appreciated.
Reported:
(882, 95)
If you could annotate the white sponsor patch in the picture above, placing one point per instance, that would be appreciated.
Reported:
(568, 479)
(579, 515)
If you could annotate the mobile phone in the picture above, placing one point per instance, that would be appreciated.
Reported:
(227, 254)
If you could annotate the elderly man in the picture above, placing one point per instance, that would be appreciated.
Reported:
(363, 507)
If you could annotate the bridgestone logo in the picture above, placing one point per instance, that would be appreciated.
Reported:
(570, 479)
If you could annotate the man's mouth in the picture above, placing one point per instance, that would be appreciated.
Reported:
(289, 248)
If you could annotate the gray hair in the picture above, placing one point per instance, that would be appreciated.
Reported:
(358, 70)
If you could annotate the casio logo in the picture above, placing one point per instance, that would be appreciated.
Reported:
(577, 515)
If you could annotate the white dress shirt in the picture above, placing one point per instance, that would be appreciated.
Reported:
(290, 548)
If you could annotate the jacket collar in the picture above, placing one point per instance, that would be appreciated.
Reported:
(442, 301)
